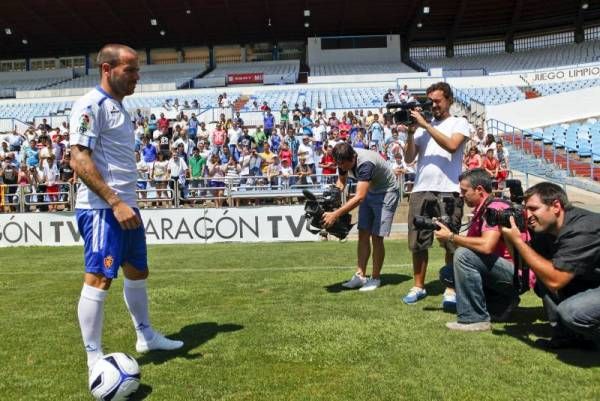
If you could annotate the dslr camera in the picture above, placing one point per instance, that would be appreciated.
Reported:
(431, 214)
(496, 217)
(315, 206)
(401, 111)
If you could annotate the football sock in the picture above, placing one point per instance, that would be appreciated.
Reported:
(136, 299)
(90, 312)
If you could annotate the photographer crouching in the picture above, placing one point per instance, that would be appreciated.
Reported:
(377, 194)
(565, 256)
(484, 271)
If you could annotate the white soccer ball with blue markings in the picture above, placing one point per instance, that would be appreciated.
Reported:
(114, 377)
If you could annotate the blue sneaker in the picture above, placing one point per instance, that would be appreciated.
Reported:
(449, 302)
(414, 294)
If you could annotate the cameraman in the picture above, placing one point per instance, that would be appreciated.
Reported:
(439, 147)
(565, 256)
(483, 267)
(377, 194)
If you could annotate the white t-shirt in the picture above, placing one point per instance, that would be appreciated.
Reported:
(308, 152)
(142, 170)
(234, 135)
(177, 167)
(50, 172)
(320, 133)
(437, 169)
(103, 125)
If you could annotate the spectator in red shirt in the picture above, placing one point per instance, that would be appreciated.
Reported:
(491, 164)
(163, 123)
(285, 153)
(472, 159)
(328, 164)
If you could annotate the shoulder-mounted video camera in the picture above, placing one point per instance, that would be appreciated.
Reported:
(315, 206)
(401, 111)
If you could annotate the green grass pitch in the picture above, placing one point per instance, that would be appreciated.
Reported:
(271, 322)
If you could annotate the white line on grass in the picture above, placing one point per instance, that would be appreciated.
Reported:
(210, 270)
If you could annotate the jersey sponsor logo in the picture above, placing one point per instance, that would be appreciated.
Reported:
(84, 123)
(108, 262)
(114, 110)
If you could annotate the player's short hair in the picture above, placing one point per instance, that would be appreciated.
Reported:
(343, 152)
(444, 87)
(111, 54)
(477, 177)
(549, 192)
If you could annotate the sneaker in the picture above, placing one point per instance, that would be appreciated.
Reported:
(449, 302)
(356, 281)
(159, 342)
(370, 285)
(478, 326)
(414, 294)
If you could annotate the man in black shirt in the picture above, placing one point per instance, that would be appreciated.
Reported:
(565, 256)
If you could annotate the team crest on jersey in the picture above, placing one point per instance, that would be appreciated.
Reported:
(84, 123)
(108, 262)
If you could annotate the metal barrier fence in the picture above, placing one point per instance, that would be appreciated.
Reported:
(175, 194)
(21, 198)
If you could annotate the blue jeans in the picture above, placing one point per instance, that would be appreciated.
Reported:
(579, 313)
(476, 277)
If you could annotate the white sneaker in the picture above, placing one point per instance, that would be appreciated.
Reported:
(159, 342)
(356, 281)
(370, 285)
(477, 326)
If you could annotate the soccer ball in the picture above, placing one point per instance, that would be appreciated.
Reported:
(114, 377)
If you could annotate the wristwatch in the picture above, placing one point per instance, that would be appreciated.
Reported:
(451, 238)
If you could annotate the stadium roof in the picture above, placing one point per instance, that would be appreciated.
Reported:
(70, 27)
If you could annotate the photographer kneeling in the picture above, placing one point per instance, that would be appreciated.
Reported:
(483, 268)
(565, 256)
(377, 194)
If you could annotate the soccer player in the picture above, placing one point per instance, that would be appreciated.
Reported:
(102, 150)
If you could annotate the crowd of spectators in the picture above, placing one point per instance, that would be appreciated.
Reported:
(35, 169)
(205, 164)
(209, 164)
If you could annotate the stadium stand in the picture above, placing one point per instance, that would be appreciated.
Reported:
(490, 96)
(331, 98)
(30, 84)
(559, 87)
(288, 68)
(358, 69)
(180, 77)
(564, 55)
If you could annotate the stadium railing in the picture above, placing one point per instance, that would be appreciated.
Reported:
(20, 198)
(196, 191)
(538, 159)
